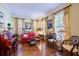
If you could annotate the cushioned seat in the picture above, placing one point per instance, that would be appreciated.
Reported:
(50, 40)
(69, 47)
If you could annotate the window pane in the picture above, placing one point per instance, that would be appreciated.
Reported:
(59, 25)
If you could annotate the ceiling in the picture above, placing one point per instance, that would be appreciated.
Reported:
(31, 10)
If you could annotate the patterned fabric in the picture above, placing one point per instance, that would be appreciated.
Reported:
(9, 35)
(75, 39)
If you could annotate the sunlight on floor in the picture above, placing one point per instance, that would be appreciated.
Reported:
(19, 50)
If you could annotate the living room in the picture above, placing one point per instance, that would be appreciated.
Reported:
(44, 33)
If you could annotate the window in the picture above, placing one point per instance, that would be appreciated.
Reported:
(59, 25)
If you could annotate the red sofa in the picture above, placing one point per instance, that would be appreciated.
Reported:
(5, 45)
(27, 37)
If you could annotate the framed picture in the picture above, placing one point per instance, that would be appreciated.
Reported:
(28, 25)
(49, 24)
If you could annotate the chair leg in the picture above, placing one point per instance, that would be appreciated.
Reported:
(62, 51)
(77, 48)
(77, 53)
(71, 53)
(15, 49)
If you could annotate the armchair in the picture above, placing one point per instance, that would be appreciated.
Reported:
(71, 45)
(51, 39)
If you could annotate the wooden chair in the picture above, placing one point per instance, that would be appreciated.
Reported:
(51, 41)
(71, 45)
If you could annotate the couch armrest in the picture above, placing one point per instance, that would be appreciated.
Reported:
(66, 41)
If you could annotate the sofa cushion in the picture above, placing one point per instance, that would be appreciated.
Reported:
(50, 40)
(69, 47)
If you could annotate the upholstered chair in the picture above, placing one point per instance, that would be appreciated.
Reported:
(71, 45)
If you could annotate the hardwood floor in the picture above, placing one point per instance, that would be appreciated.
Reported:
(40, 49)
